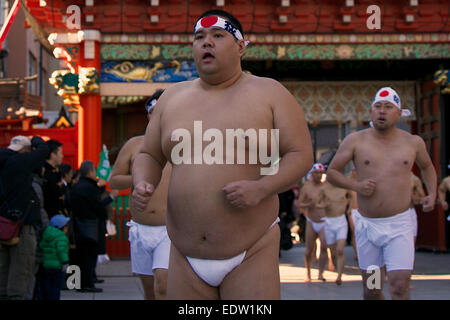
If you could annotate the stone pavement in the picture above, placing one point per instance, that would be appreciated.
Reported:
(430, 280)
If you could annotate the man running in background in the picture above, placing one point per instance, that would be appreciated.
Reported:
(383, 157)
(149, 242)
(417, 194)
(335, 201)
(308, 198)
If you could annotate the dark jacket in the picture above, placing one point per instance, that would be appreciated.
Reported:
(16, 191)
(53, 191)
(85, 200)
(286, 202)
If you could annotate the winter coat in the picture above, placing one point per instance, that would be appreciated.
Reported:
(55, 248)
(16, 178)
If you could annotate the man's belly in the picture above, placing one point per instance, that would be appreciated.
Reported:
(390, 198)
(202, 223)
(336, 210)
(150, 217)
(316, 215)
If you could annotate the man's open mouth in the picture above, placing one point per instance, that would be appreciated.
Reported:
(207, 56)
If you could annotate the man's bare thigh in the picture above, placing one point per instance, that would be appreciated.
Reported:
(257, 277)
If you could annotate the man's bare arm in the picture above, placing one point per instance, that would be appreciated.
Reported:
(443, 190)
(343, 155)
(121, 174)
(417, 192)
(303, 201)
(428, 174)
(296, 154)
(150, 161)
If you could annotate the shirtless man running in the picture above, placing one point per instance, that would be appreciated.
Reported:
(383, 157)
(417, 194)
(222, 212)
(149, 242)
(444, 187)
(315, 221)
(335, 201)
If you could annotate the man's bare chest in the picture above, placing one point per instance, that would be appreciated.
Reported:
(379, 157)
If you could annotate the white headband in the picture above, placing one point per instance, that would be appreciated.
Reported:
(215, 21)
(388, 94)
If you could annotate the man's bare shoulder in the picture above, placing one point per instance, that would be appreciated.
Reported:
(412, 137)
(132, 146)
(264, 84)
(356, 137)
(135, 141)
(446, 181)
(177, 88)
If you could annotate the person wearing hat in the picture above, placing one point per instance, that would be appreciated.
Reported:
(55, 254)
(315, 220)
(18, 198)
(150, 262)
(383, 156)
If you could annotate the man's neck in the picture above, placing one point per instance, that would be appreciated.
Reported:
(214, 82)
(386, 134)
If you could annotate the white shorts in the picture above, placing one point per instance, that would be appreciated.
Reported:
(385, 241)
(335, 229)
(317, 226)
(149, 248)
(414, 220)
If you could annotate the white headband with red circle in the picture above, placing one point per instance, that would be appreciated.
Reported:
(215, 21)
(390, 95)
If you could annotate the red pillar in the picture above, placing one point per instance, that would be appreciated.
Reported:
(90, 122)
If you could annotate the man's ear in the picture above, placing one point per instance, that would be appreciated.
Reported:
(241, 44)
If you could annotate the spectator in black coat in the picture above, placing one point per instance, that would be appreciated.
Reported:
(53, 190)
(86, 204)
(286, 215)
(17, 196)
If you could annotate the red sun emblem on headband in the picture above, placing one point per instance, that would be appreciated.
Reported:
(384, 93)
(207, 22)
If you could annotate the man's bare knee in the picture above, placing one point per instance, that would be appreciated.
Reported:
(340, 252)
(399, 288)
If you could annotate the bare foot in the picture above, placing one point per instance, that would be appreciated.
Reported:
(307, 280)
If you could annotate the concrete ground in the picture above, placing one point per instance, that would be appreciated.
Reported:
(430, 280)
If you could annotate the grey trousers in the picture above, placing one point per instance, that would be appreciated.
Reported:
(17, 265)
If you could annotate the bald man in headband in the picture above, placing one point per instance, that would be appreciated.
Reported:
(383, 157)
(223, 205)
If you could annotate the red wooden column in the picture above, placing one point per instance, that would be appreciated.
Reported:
(89, 116)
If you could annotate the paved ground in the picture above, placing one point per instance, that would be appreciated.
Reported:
(431, 280)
